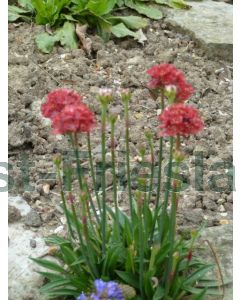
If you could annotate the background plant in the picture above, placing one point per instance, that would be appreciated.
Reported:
(139, 250)
(106, 17)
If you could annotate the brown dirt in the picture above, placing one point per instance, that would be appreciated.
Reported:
(117, 63)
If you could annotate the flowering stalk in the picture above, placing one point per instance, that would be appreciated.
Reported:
(159, 178)
(150, 142)
(57, 163)
(140, 242)
(103, 165)
(168, 186)
(126, 96)
(113, 120)
(172, 233)
(82, 185)
(92, 171)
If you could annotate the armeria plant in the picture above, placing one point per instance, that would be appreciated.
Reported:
(107, 253)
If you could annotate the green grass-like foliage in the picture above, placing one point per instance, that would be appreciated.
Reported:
(104, 16)
(139, 249)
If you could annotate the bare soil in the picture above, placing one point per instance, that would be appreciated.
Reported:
(113, 64)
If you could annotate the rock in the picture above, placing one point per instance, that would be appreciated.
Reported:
(209, 23)
(20, 204)
(220, 238)
(221, 208)
(14, 214)
(136, 60)
(33, 243)
(109, 178)
(209, 204)
(194, 216)
(23, 279)
(221, 201)
(33, 219)
(228, 206)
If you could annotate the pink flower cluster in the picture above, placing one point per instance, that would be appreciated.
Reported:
(180, 119)
(167, 74)
(67, 112)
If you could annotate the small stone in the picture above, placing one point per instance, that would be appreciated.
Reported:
(19, 203)
(14, 214)
(194, 216)
(33, 219)
(46, 188)
(224, 222)
(220, 201)
(209, 204)
(46, 217)
(59, 229)
(228, 206)
(221, 208)
(137, 60)
(27, 196)
(109, 178)
(33, 243)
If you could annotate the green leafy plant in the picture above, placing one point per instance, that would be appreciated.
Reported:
(103, 15)
(140, 249)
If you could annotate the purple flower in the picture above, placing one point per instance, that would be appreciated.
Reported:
(111, 289)
(81, 297)
(100, 285)
(114, 292)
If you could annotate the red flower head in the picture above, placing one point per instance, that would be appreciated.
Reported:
(167, 74)
(57, 100)
(74, 118)
(163, 74)
(180, 119)
(184, 91)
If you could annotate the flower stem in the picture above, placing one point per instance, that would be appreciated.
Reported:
(159, 178)
(166, 196)
(103, 141)
(92, 171)
(126, 114)
(141, 251)
(172, 232)
(64, 202)
(114, 176)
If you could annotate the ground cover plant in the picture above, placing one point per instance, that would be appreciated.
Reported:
(66, 17)
(110, 254)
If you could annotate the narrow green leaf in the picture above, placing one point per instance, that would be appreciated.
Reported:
(197, 275)
(48, 264)
(128, 278)
(159, 294)
(63, 292)
(200, 296)
(54, 284)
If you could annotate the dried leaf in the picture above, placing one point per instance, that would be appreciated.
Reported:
(85, 41)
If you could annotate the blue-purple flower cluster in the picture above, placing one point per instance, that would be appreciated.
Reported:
(110, 289)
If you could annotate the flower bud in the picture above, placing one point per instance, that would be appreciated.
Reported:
(57, 160)
(105, 95)
(170, 92)
(178, 156)
(125, 95)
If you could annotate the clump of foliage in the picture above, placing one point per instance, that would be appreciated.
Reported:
(103, 15)
(107, 253)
